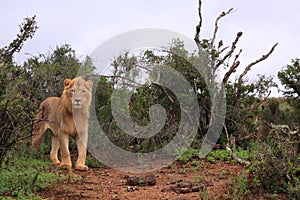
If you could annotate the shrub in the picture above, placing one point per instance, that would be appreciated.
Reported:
(277, 164)
(22, 177)
(186, 154)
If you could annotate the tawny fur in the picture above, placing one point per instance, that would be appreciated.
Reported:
(65, 116)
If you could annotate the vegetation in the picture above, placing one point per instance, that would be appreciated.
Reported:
(20, 178)
(260, 130)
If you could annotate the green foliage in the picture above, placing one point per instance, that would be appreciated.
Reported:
(293, 189)
(224, 155)
(15, 106)
(203, 194)
(277, 163)
(239, 188)
(93, 162)
(245, 155)
(22, 177)
(186, 154)
(45, 74)
(128, 70)
(262, 176)
(27, 30)
(221, 155)
(243, 105)
(290, 79)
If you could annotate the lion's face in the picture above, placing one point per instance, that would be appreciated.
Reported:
(78, 92)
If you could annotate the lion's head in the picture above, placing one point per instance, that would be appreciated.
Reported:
(77, 93)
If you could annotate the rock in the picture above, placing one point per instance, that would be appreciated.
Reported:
(185, 184)
(148, 180)
(184, 190)
(132, 181)
(196, 188)
(183, 187)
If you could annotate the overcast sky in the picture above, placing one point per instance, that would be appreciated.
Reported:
(86, 24)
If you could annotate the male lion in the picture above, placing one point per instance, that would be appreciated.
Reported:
(65, 116)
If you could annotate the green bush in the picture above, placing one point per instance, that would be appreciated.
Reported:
(277, 165)
(186, 154)
(222, 155)
(22, 177)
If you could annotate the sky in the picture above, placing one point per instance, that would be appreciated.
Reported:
(87, 24)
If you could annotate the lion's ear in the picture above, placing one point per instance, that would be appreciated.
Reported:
(89, 84)
(67, 82)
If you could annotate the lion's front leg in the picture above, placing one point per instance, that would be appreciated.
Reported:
(64, 150)
(81, 141)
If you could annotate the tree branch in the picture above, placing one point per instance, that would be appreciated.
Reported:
(228, 148)
(27, 30)
(248, 68)
(233, 47)
(198, 27)
(223, 14)
(232, 69)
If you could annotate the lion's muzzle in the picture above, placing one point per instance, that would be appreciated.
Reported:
(77, 104)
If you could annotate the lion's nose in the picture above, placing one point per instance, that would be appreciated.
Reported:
(77, 101)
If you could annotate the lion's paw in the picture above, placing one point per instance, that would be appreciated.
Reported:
(81, 168)
(65, 166)
(56, 163)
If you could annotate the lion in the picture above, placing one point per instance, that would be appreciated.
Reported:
(65, 116)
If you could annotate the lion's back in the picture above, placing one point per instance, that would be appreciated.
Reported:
(48, 108)
(51, 102)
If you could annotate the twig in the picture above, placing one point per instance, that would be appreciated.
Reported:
(232, 69)
(198, 27)
(123, 78)
(223, 14)
(248, 68)
(232, 154)
(233, 47)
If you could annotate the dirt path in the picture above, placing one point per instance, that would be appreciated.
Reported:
(176, 182)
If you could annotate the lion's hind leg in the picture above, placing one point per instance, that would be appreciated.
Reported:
(54, 150)
(39, 129)
(40, 125)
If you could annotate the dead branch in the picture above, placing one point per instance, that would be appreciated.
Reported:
(248, 68)
(228, 148)
(234, 156)
(283, 128)
(133, 83)
(232, 69)
(198, 27)
(223, 14)
(165, 91)
(230, 52)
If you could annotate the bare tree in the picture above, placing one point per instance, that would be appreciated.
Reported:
(219, 55)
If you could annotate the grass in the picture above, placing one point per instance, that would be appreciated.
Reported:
(224, 155)
(21, 177)
(186, 154)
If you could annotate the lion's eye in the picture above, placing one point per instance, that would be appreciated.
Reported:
(73, 91)
(83, 91)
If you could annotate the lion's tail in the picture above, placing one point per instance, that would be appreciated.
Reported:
(40, 125)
